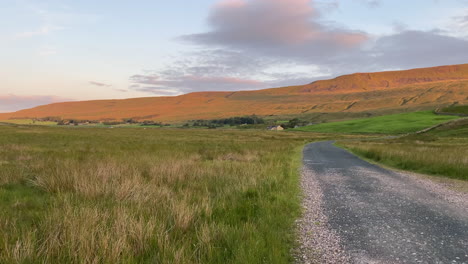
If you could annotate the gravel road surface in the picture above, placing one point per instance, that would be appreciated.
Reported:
(357, 212)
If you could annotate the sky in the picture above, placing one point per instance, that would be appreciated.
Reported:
(65, 50)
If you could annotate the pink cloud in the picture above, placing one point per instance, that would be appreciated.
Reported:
(350, 39)
(270, 23)
(231, 4)
(273, 20)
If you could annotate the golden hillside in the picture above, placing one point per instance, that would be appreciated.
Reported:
(358, 92)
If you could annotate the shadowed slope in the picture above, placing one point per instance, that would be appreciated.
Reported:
(418, 88)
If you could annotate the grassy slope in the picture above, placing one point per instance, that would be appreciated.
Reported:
(442, 151)
(389, 124)
(74, 195)
(458, 109)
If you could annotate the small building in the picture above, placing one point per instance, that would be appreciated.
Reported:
(276, 128)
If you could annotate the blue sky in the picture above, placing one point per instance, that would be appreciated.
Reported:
(56, 50)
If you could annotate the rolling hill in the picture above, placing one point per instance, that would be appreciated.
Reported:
(423, 88)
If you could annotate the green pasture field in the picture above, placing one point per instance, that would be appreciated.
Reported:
(389, 124)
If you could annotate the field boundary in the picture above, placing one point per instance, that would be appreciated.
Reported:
(436, 126)
(438, 112)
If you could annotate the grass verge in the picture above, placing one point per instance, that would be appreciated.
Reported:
(442, 151)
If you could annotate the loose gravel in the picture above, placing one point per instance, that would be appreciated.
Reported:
(318, 243)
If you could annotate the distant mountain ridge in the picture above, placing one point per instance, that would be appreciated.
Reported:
(416, 88)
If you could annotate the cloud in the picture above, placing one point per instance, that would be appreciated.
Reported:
(327, 6)
(206, 70)
(399, 26)
(256, 44)
(10, 103)
(224, 70)
(461, 23)
(464, 20)
(290, 28)
(44, 30)
(100, 84)
(402, 50)
(190, 83)
(413, 48)
(273, 31)
(248, 41)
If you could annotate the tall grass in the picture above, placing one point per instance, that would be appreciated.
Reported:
(444, 160)
(442, 152)
(94, 195)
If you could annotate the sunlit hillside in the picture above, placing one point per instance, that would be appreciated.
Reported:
(418, 88)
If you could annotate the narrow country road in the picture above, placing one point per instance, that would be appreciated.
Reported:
(357, 212)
